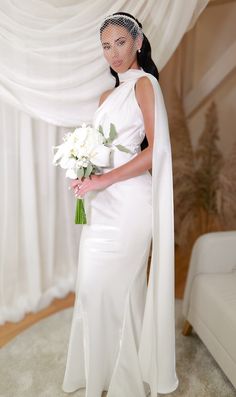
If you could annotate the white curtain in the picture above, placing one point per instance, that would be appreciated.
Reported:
(52, 73)
(38, 238)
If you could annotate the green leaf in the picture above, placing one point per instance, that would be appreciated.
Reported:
(80, 173)
(123, 148)
(88, 170)
(113, 133)
(100, 129)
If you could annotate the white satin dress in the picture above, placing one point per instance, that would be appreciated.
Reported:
(111, 287)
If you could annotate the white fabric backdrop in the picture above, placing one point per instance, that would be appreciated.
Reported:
(38, 238)
(53, 66)
(53, 71)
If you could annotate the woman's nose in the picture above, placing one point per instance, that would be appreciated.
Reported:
(114, 52)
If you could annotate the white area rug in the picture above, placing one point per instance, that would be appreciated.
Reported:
(33, 364)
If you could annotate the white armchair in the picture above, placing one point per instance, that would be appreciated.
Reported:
(209, 302)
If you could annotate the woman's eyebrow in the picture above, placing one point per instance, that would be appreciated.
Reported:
(121, 37)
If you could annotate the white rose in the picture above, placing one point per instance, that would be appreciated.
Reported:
(70, 173)
(101, 156)
(67, 162)
(80, 134)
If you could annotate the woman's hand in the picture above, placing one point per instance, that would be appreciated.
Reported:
(85, 185)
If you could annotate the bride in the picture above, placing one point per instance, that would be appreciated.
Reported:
(122, 336)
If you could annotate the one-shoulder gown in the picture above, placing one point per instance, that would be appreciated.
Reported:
(111, 286)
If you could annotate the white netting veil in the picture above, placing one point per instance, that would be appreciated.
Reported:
(121, 37)
(131, 24)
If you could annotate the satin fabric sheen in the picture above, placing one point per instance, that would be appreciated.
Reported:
(115, 335)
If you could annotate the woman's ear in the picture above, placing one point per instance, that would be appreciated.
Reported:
(139, 42)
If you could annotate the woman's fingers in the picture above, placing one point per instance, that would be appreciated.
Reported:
(76, 189)
(74, 182)
(82, 186)
(82, 189)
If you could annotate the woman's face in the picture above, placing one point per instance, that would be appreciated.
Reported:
(119, 48)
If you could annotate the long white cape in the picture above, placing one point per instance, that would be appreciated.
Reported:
(157, 345)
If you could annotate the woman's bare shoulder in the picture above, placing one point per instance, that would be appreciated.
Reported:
(104, 95)
(144, 85)
(144, 91)
(146, 101)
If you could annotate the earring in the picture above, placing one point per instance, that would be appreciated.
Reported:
(139, 50)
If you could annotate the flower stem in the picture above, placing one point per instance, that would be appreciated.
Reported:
(80, 215)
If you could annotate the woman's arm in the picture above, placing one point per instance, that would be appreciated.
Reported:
(143, 160)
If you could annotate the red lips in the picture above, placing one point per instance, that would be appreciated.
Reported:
(117, 63)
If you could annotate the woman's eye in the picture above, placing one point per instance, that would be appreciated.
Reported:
(106, 47)
(121, 42)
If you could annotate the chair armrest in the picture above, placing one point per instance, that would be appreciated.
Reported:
(212, 253)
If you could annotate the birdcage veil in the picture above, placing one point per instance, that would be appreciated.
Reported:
(129, 25)
(139, 45)
(121, 36)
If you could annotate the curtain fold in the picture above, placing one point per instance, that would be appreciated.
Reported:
(53, 67)
(52, 73)
(38, 238)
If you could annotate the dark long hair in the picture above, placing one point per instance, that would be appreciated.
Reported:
(144, 57)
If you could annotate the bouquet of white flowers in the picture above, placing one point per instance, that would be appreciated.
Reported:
(82, 153)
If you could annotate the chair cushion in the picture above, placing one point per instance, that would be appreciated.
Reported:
(213, 297)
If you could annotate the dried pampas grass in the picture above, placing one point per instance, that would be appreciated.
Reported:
(227, 192)
(209, 162)
(184, 179)
(199, 177)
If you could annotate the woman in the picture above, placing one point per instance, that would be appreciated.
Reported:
(122, 334)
